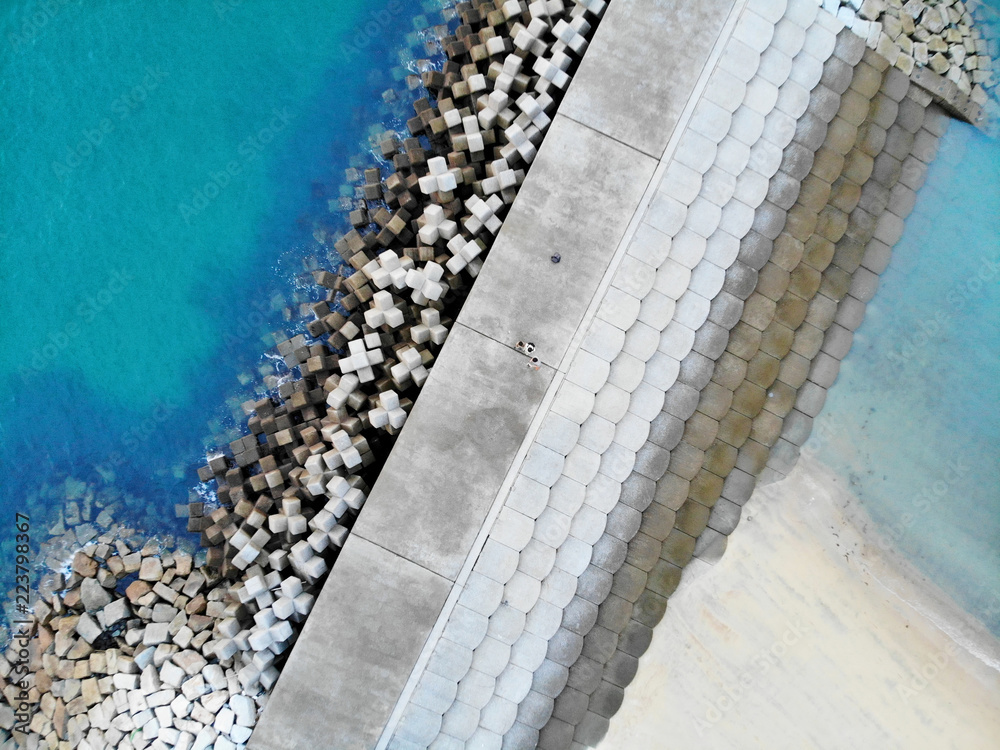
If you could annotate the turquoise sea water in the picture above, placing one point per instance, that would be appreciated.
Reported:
(163, 169)
(913, 421)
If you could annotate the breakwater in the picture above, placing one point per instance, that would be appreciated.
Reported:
(290, 492)
(151, 650)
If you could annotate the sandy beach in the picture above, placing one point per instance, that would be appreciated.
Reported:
(808, 635)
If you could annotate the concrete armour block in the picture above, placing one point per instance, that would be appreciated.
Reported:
(638, 491)
(738, 487)
(519, 737)
(711, 546)
(564, 647)
(837, 75)
(864, 284)
(599, 646)
(514, 683)
(446, 742)
(591, 730)
(724, 518)
(550, 678)
(556, 735)
(797, 427)
(755, 249)
(768, 221)
(621, 669)
(652, 461)
(418, 725)
(936, 120)
(580, 616)
(824, 370)
(849, 47)
(629, 583)
(837, 342)
(609, 554)
(783, 190)
(497, 716)
(607, 699)
(695, 371)
(571, 706)
(784, 456)
(535, 710)
(895, 84)
(811, 399)
(586, 675)
(623, 522)
(650, 608)
(460, 721)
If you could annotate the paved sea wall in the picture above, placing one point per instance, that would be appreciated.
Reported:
(653, 325)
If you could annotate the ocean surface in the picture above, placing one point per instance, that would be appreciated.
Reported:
(913, 421)
(165, 168)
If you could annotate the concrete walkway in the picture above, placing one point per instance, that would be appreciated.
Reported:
(427, 518)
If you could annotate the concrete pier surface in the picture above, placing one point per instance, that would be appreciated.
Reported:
(808, 635)
(722, 184)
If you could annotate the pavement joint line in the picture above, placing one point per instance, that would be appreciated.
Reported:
(394, 553)
(458, 586)
(559, 372)
(652, 188)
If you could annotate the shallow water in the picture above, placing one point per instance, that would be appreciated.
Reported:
(163, 169)
(913, 421)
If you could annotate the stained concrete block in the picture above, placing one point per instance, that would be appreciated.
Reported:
(591, 730)
(725, 517)
(586, 675)
(599, 646)
(535, 710)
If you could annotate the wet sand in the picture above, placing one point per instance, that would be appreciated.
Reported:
(808, 635)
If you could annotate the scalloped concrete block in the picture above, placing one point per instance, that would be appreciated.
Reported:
(466, 628)
(497, 561)
(514, 683)
(535, 710)
(491, 656)
(550, 678)
(609, 554)
(575, 402)
(557, 432)
(725, 517)
(580, 616)
(594, 585)
(558, 589)
(481, 594)
(602, 493)
(681, 182)
(649, 245)
(528, 651)
(536, 559)
(520, 736)
(460, 721)
(588, 371)
(574, 556)
(591, 730)
(520, 594)
(565, 647)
